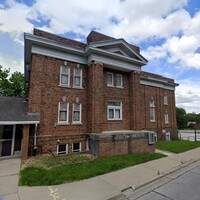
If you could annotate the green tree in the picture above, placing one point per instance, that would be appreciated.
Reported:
(181, 118)
(11, 85)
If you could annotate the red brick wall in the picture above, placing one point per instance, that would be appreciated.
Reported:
(117, 94)
(59, 39)
(110, 146)
(45, 93)
(148, 92)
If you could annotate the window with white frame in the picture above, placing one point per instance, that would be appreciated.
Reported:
(165, 99)
(65, 75)
(119, 80)
(167, 135)
(166, 117)
(110, 79)
(76, 147)
(152, 138)
(63, 112)
(62, 149)
(114, 111)
(152, 111)
(77, 77)
(77, 111)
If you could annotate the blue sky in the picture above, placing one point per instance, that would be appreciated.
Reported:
(167, 31)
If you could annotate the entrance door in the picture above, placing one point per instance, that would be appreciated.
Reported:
(6, 135)
(10, 140)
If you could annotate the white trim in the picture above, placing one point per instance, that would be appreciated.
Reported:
(80, 121)
(156, 84)
(115, 62)
(59, 54)
(18, 122)
(115, 42)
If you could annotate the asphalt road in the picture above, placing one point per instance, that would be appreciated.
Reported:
(183, 184)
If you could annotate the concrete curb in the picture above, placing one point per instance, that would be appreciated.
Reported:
(127, 192)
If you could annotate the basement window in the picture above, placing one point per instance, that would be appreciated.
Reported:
(76, 147)
(62, 149)
(152, 138)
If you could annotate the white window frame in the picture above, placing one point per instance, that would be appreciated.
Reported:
(80, 120)
(68, 73)
(108, 84)
(114, 108)
(81, 77)
(152, 111)
(79, 150)
(67, 117)
(165, 99)
(62, 152)
(166, 118)
(168, 136)
(121, 82)
(152, 138)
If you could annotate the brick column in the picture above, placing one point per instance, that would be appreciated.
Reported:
(25, 141)
(135, 101)
(95, 98)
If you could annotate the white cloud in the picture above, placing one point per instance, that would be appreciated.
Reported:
(188, 95)
(13, 64)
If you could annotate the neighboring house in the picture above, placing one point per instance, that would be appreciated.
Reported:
(14, 123)
(94, 96)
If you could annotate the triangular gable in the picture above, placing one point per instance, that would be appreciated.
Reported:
(119, 47)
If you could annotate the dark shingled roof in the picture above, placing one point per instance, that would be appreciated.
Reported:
(14, 109)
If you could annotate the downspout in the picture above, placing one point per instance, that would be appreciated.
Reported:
(35, 136)
(35, 141)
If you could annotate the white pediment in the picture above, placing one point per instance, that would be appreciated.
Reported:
(119, 47)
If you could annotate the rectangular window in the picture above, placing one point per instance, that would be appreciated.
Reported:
(77, 111)
(168, 138)
(165, 99)
(77, 77)
(114, 111)
(63, 112)
(110, 79)
(76, 147)
(152, 138)
(152, 111)
(62, 149)
(65, 75)
(119, 80)
(166, 118)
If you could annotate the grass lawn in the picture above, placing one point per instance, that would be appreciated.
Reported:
(177, 146)
(49, 170)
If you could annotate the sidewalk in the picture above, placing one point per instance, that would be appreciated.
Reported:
(111, 185)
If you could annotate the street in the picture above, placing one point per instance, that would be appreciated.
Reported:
(184, 184)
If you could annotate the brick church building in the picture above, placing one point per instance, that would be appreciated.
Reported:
(94, 96)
